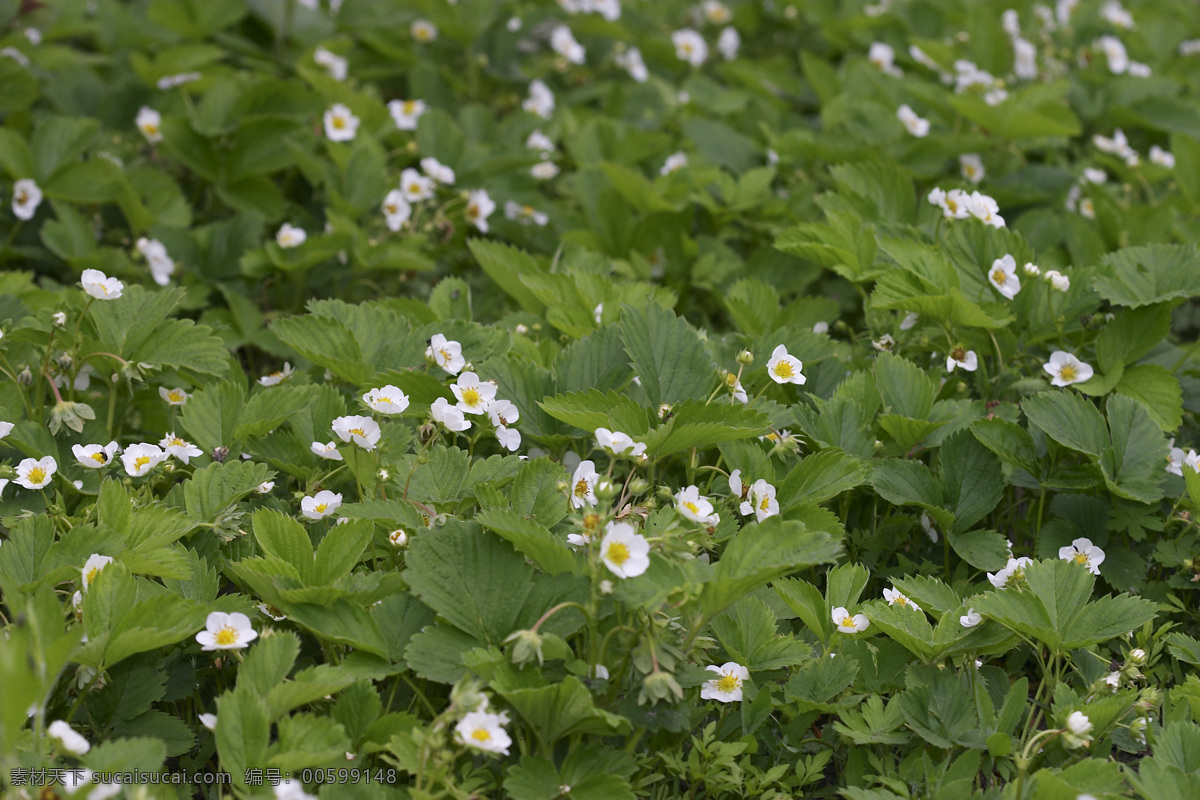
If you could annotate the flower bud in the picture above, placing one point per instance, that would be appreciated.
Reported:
(606, 587)
(605, 489)
(25, 377)
(384, 475)
(398, 537)
(639, 486)
(745, 358)
(71, 415)
(467, 696)
(526, 646)
(60, 319)
(1137, 656)
(660, 686)
(65, 361)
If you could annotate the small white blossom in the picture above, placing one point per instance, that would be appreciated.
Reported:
(540, 100)
(396, 209)
(483, 730)
(446, 353)
(583, 485)
(563, 43)
(524, 214)
(27, 196)
(340, 124)
(884, 58)
(100, 286)
(139, 459)
(971, 167)
(335, 65)
(474, 396)
(1082, 551)
(94, 456)
(1066, 369)
(970, 619)
(728, 687)
(320, 505)
(728, 43)
(405, 113)
(387, 400)
(915, 125)
(277, 377)
(675, 161)
(290, 236)
(785, 368)
(424, 31)
(71, 741)
(692, 505)
(449, 416)
(479, 207)
(1003, 276)
(149, 122)
(326, 450)
(633, 63)
(174, 446)
(226, 631)
(624, 552)
(848, 623)
(544, 170)
(690, 46)
(92, 568)
(416, 187)
(362, 431)
(895, 598)
(962, 359)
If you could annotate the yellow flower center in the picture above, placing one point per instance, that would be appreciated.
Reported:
(999, 276)
(727, 683)
(687, 48)
(581, 488)
(950, 204)
(731, 379)
(481, 735)
(391, 208)
(959, 354)
(99, 458)
(227, 636)
(414, 188)
(150, 128)
(1068, 372)
(617, 553)
(472, 211)
(382, 400)
(339, 123)
(847, 622)
(901, 599)
(1080, 558)
(141, 461)
(446, 357)
(175, 396)
(422, 34)
(91, 575)
(37, 475)
(471, 397)
(276, 374)
(177, 443)
(591, 521)
(358, 432)
(692, 507)
(22, 198)
(784, 369)
(527, 211)
(970, 170)
(320, 509)
(410, 106)
(765, 504)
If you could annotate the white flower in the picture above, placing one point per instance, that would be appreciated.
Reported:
(909, 321)
(1115, 14)
(35, 473)
(1093, 175)
(1031, 270)
(1192, 460)
(1175, 460)
(885, 343)
(320, 505)
(6, 428)
(340, 124)
(1117, 145)
(984, 209)
(265, 487)
(914, 124)
(415, 186)
(728, 687)
(728, 43)
(1114, 52)
(474, 396)
(884, 58)
(847, 623)
(524, 214)
(396, 209)
(74, 779)
(277, 377)
(765, 504)
(438, 171)
(94, 456)
(1003, 276)
(563, 43)
(1082, 551)
(503, 412)
(971, 167)
(894, 597)
(226, 631)
(785, 368)
(625, 552)
(921, 57)
(424, 31)
(619, 444)
(540, 100)
(100, 286)
(363, 431)
(741, 492)
(1010, 21)
(272, 612)
(405, 113)
(674, 162)
(208, 721)
(483, 730)
(162, 266)
(326, 450)
(174, 446)
(690, 46)
(509, 438)
(15, 54)
(1164, 158)
(970, 619)
(963, 359)
(716, 12)
(91, 568)
(692, 505)
(398, 538)
(141, 458)
(544, 170)
(1024, 59)
(540, 141)
(290, 788)
(71, 741)
(1087, 208)
(633, 63)
(289, 236)
(27, 196)
(446, 353)
(583, 485)
(955, 204)
(449, 416)
(479, 207)
(1057, 280)
(1189, 47)
(1113, 679)
(1013, 569)
(609, 9)
(386, 400)
(1066, 369)
(1079, 724)
(335, 65)
(149, 122)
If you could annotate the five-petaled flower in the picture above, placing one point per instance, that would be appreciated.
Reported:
(226, 631)
(363, 431)
(479, 207)
(386, 400)
(450, 417)
(690, 46)
(99, 285)
(1066, 369)
(619, 444)
(94, 456)
(277, 377)
(183, 450)
(27, 196)
(446, 353)
(173, 397)
(149, 122)
(473, 395)
(290, 236)
(583, 485)
(692, 505)
(785, 368)
(483, 730)
(141, 458)
(895, 598)
(1082, 551)
(35, 473)
(340, 123)
(91, 568)
(71, 741)
(728, 687)
(320, 505)
(764, 502)
(406, 113)
(962, 358)
(624, 551)
(970, 619)
(849, 623)
(1003, 276)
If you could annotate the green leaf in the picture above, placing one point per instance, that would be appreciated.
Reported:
(666, 354)
(505, 265)
(341, 621)
(695, 424)
(284, 538)
(938, 707)
(1133, 466)
(596, 362)
(564, 709)
(986, 550)
(1009, 441)
(327, 343)
(1140, 276)
(904, 387)
(590, 410)
(219, 485)
(243, 732)
(1069, 419)
(1132, 334)
(340, 550)
(531, 538)
(268, 663)
(905, 482)
(1158, 391)
(971, 477)
(761, 553)
(747, 631)
(819, 477)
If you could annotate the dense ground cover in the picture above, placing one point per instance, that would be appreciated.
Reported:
(600, 399)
